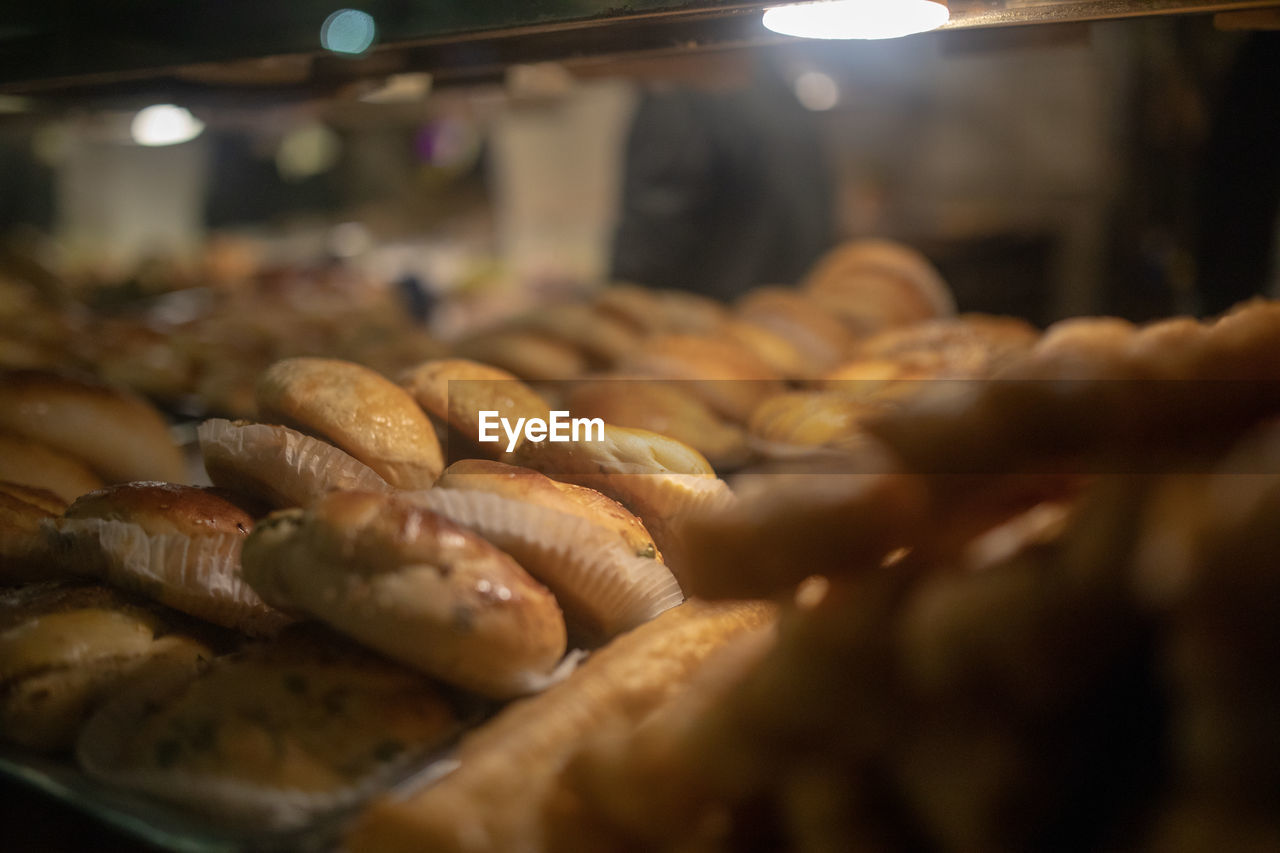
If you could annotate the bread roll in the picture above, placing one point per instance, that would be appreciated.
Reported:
(656, 477)
(455, 390)
(507, 768)
(23, 460)
(667, 408)
(726, 375)
(63, 649)
(363, 413)
(179, 545)
(528, 355)
(413, 585)
(25, 552)
(118, 435)
(277, 465)
(525, 484)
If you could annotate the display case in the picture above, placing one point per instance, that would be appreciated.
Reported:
(953, 581)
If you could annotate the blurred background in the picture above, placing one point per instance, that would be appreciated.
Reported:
(1122, 167)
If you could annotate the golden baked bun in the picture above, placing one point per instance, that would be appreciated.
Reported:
(528, 355)
(25, 552)
(602, 338)
(23, 460)
(454, 391)
(164, 508)
(179, 545)
(729, 377)
(118, 435)
(361, 412)
(656, 477)
(792, 314)
(667, 408)
(780, 354)
(525, 484)
(65, 648)
(413, 585)
(875, 284)
(814, 419)
(655, 311)
(507, 768)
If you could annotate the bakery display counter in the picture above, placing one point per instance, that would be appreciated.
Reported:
(835, 565)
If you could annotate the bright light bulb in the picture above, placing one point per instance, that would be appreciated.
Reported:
(857, 19)
(164, 124)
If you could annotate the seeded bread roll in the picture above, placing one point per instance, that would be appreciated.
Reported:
(413, 585)
(361, 412)
(63, 648)
(23, 460)
(118, 435)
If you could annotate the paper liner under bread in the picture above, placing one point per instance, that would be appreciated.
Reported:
(282, 466)
(105, 738)
(600, 583)
(199, 575)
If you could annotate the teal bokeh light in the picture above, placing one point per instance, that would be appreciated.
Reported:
(348, 31)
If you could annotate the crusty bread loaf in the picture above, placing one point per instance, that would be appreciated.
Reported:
(118, 435)
(365, 414)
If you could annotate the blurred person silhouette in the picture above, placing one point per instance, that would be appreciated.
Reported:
(723, 190)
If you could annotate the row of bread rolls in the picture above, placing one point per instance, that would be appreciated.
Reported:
(1045, 617)
(198, 344)
(475, 575)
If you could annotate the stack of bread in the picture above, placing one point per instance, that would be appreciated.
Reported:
(970, 586)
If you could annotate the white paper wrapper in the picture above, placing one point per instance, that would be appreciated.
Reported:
(104, 739)
(279, 465)
(600, 583)
(199, 575)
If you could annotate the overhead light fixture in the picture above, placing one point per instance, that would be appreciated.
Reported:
(164, 124)
(857, 19)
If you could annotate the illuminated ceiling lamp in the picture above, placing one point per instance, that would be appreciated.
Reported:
(857, 19)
